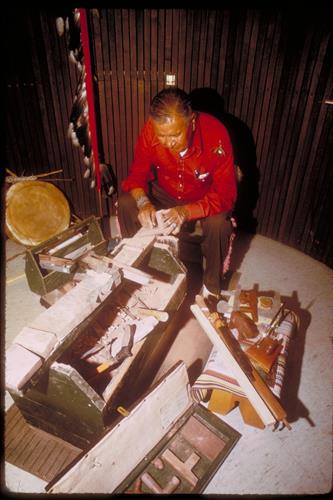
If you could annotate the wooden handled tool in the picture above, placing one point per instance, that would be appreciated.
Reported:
(159, 315)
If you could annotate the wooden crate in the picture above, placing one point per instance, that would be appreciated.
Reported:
(166, 444)
(66, 396)
(80, 235)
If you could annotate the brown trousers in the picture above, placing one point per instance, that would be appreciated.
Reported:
(216, 232)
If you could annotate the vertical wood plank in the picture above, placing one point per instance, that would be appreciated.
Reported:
(147, 62)
(175, 41)
(223, 54)
(194, 55)
(160, 52)
(240, 95)
(134, 80)
(207, 78)
(202, 49)
(153, 53)
(127, 85)
(188, 51)
(182, 28)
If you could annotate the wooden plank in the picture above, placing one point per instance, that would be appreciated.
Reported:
(176, 29)
(101, 61)
(228, 54)
(168, 41)
(188, 50)
(269, 183)
(235, 88)
(160, 44)
(113, 102)
(63, 99)
(73, 168)
(202, 48)
(253, 39)
(244, 64)
(127, 84)
(209, 48)
(140, 63)
(134, 80)
(258, 56)
(223, 53)
(106, 98)
(147, 63)
(26, 447)
(181, 26)
(270, 34)
(121, 92)
(266, 132)
(315, 214)
(153, 52)
(194, 53)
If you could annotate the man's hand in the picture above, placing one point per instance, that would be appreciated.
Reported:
(147, 215)
(147, 211)
(173, 218)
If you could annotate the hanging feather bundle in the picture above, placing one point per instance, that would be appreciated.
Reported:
(78, 130)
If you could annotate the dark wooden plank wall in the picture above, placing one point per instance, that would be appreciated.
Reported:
(271, 68)
(40, 88)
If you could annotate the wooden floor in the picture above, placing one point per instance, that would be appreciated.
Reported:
(34, 450)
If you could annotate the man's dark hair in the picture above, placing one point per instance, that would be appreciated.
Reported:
(170, 101)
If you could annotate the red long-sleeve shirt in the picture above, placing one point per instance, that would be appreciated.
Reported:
(204, 178)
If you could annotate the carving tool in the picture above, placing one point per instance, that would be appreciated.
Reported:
(52, 263)
(275, 320)
(122, 411)
(159, 315)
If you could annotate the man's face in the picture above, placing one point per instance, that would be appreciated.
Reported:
(175, 134)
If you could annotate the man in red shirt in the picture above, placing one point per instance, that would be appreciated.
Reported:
(183, 166)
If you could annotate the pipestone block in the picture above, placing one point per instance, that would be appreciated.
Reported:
(116, 277)
(21, 364)
(59, 320)
(37, 341)
(74, 306)
(99, 282)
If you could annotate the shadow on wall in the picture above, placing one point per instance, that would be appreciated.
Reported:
(209, 101)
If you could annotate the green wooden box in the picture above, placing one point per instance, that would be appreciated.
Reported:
(83, 234)
(166, 444)
(65, 399)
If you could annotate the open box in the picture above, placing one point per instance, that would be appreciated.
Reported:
(70, 243)
(167, 444)
(66, 396)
